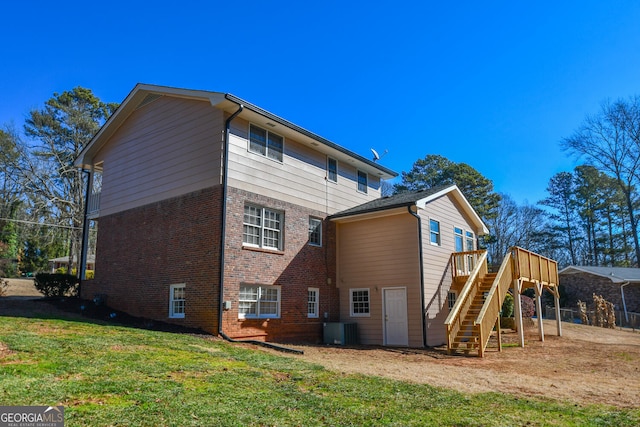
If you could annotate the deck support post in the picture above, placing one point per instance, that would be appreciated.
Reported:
(556, 302)
(539, 309)
(517, 288)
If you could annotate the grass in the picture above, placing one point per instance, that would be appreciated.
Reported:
(107, 375)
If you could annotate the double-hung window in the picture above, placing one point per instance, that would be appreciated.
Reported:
(257, 301)
(313, 302)
(332, 169)
(262, 227)
(434, 232)
(315, 231)
(363, 181)
(470, 240)
(177, 301)
(266, 143)
(458, 237)
(359, 302)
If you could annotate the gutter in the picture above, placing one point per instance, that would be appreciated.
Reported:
(223, 227)
(424, 329)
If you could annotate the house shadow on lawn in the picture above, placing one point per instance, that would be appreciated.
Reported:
(79, 310)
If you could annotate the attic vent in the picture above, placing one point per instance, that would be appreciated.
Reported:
(148, 100)
(270, 124)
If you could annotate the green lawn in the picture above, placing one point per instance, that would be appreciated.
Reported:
(106, 375)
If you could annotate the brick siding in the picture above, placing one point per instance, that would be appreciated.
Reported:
(582, 286)
(142, 251)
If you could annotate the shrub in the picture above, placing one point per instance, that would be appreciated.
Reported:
(507, 306)
(56, 285)
(528, 306)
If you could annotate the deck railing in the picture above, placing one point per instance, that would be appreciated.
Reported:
(460, 263)
(532, 267)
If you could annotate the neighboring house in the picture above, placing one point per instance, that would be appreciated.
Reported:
(216, 214)
(618, 285)
(63, 262)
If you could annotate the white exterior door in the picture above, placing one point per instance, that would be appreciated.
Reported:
(396, 328)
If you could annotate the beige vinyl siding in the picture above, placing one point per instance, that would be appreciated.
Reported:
(167, 148)
(375, 254)
(300, 178)
(437, 275)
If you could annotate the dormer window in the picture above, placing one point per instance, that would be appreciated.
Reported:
(265, 143)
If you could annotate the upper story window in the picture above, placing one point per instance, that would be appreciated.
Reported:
(434, 232)
(363, 182)
(262, 227)
(459, 239)
(332, 169)
(266, 143)
(315, 231)
(470, 240)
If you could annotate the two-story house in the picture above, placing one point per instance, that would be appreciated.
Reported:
(216, 214)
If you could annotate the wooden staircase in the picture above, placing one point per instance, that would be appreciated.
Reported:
(468, 337)
(477, 308)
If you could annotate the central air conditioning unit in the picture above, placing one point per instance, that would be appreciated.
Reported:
(341, 333)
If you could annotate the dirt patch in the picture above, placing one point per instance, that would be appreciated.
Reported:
(22, 288)
(587, 365)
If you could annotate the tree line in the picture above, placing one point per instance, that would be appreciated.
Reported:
(589, 217)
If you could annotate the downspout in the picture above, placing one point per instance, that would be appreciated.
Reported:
(424, 329)
(223, 222)
(223, 226)
(85, 231)
(624, 303)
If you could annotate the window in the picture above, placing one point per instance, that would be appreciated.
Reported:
(262, 227)
(451, 299)
(359, 302)
(457, 234)
(259, 301)
(315, 231)
(313, 302)
(434, 232)
(362, 182)
(332, 169)
(470, 240)
(266, 143)
(176, 301)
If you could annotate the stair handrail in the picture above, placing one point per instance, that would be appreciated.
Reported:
(463, 302)
(495, 297)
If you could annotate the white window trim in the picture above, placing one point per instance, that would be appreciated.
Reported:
(172, 288)
(351, 313)
(439, 233)
(460, 236)
(258, 315)
(316, 303)
(469, 236)
(328, 178)
(319, 244)
(366, 187)
(266, 151)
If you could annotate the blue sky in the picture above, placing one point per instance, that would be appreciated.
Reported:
(495, 84)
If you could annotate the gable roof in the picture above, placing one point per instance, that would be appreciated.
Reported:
(615, 274)
(415, 198)
(144, 93)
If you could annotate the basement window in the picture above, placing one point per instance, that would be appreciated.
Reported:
(177, 301)
(359, 302)
(259, 302)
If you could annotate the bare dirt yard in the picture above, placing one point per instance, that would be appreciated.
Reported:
(587, 365)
